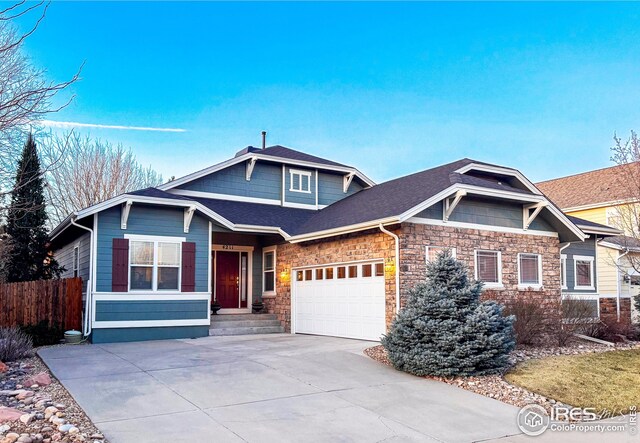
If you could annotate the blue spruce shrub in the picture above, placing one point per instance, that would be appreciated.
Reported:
(445, 330)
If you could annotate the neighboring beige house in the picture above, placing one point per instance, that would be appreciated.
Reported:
(604, 196)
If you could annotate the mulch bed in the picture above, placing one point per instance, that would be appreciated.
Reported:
(496, 387)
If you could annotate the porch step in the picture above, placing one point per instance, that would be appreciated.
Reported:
(247, 330)
(244, 324)
(235, 317)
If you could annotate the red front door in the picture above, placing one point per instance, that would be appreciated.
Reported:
(228, 279)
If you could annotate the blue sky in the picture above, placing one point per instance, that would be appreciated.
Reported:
(389, 88)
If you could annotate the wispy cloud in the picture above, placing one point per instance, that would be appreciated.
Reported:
(56, 124)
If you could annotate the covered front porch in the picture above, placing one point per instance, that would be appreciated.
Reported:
(242, 271)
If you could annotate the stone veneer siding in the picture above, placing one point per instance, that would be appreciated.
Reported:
(366, 245)
(609, 311)
(415, 238)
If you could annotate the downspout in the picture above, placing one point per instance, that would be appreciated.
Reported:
(89, 296)
(397, 265)
(619, 285)
(562, 248)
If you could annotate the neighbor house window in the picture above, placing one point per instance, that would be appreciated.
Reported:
(299, 181)
(269, 271)
(563, 271)
(529, 270)
(154, 265)
(433, 251)
(489, 268)
(76, 261)
(583, 271)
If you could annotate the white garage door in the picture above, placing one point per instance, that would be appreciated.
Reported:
(343, 300)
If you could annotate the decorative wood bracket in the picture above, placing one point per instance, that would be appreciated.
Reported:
(451, 203)
(124, 214)
(347, 179)
(528, 216)
(251, 163)
(188, 216)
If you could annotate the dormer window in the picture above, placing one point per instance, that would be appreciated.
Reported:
(300, 181)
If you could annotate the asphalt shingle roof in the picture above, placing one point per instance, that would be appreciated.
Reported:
(284, 152)
(258, 214)
(593, 187)
(394, 197)
(623, 241)
(587, 223)
(157, 193)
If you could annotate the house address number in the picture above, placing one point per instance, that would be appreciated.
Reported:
(228, 247)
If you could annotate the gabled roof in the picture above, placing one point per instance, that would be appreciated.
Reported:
(279, 154)
(621, 242)
(397, 200)
(592, 188)
(593, 227)
(394, 201)
(292, 154)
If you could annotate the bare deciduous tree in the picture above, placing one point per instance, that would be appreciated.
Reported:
(626, 215)
(25, 93)
(90, 171)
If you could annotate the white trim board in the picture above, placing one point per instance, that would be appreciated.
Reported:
(479, 227)
(137, 296)
(150, 323)
(502, 171)
(227, 197)
(266, 158)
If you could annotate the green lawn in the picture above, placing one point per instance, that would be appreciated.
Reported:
(608, 380)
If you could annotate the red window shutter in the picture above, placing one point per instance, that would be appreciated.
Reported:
(120, 265)
(188, 267)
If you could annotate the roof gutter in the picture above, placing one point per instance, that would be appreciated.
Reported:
(342, 230)
(397, 263)
(88, 301)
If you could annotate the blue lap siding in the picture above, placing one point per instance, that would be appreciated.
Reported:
(151, 220)
(586, 248)
(266, 182)
(112, 310)
(113, 335)
(487, 212)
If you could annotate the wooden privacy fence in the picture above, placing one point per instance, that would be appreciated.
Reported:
(59, 302)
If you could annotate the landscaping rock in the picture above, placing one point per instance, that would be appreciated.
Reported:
(24, 394)
(9, 414)
(3, 367)
(495, 386)
(41, 379)
(65, 428)
(26, 418)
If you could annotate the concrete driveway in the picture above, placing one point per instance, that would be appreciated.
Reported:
(266, 388)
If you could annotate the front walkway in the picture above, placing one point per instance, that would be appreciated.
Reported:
(266, 388)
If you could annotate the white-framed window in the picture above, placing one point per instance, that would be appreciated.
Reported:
(583, 271)
(299, 181)
(76, 260)
(432, 252)
(155, 263)
(563, 271)
(488, 268)
(269, 271)
(529, 270)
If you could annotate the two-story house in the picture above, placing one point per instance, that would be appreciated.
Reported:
(325, 248)
(606, 196)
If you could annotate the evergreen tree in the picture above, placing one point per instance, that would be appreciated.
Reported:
(445, 330)
(26, 253)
